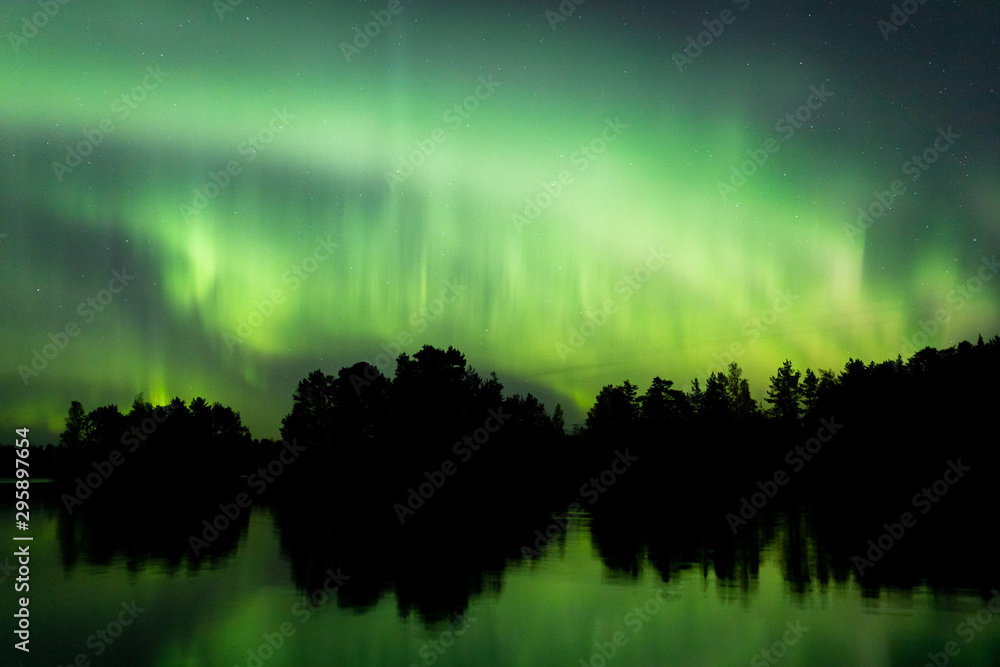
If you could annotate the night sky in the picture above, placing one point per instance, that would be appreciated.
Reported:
(199, 199)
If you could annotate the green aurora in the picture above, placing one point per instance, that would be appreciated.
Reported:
(548, 201)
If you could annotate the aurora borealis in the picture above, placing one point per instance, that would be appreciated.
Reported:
(214, 199)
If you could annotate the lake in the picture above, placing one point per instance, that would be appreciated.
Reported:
(575, 603)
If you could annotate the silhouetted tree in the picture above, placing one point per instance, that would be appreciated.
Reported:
(311, 418)
(810, 391)
(738, 389)
(528, 414)
(662, 405)
(784, 393)
(440, 378)
(615, 410)
(924, 361)
(696, 396)
(437, 398)
(107, 425)
(140, 409)
(715, 404)
(558, 421)
(827, 382)
(78, 427)
(360, 403)
(853, 373)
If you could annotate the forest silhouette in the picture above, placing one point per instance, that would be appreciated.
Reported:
(432, 482)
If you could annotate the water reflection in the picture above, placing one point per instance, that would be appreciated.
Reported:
(436, 567)
(363, 591)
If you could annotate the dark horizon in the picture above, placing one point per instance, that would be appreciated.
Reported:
(899, 362)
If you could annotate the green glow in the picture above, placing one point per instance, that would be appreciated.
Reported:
(324, 176)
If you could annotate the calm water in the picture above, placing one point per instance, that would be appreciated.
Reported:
(565, 607)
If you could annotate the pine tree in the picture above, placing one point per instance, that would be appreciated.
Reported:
(616, 408)
(743, 406)
(810, 391)
(784, 393)
(558, 420)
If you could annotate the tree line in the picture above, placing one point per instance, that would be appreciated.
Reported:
(433, 481)
(377, 436)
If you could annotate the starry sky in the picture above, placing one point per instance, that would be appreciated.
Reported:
(214, 199)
